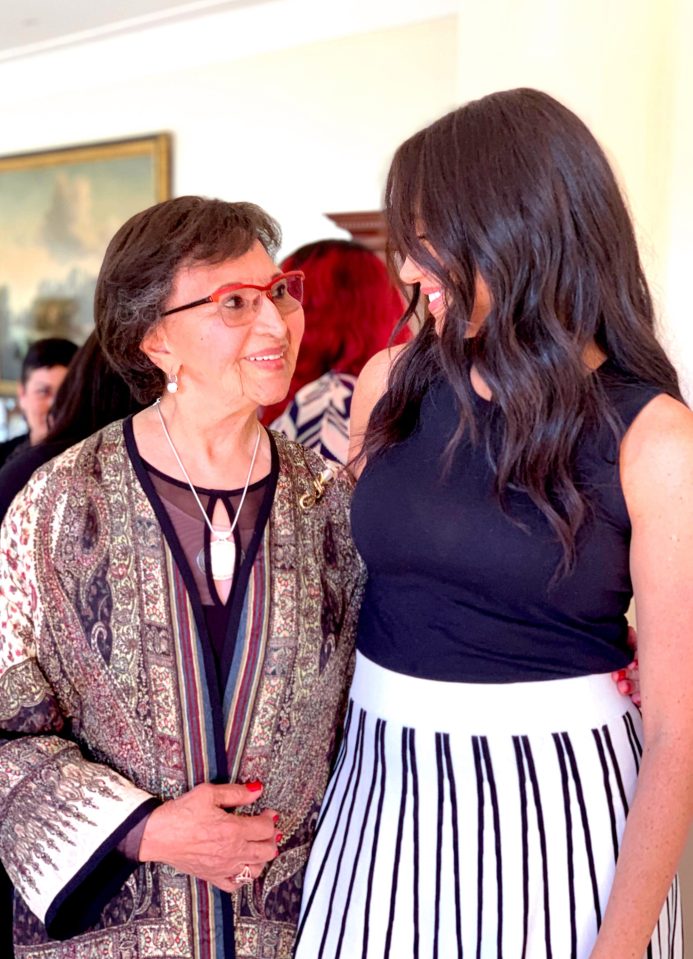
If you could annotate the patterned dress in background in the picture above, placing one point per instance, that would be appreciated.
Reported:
(318, 416)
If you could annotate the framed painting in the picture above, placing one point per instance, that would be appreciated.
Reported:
(58, 210)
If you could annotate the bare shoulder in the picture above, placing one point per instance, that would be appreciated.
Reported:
(370, 386)
(373, 378)
(657, 454)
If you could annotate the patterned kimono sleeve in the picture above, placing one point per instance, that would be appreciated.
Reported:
(351, 565)
(61, 816)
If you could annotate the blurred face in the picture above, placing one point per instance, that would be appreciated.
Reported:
(411, 272)
(36, 398)
(237, 356)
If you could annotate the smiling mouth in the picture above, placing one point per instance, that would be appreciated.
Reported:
(432, 297)
(266, 357)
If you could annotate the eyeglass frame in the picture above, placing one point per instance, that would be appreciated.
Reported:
(230, 287)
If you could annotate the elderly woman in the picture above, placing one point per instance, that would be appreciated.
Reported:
(177, 604)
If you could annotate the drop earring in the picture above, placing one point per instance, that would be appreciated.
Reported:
(172, 382)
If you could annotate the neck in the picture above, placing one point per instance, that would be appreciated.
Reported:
(593, 356)
(216, 450)
(206, 433)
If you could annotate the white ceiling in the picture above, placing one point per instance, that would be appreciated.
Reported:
(31, 26)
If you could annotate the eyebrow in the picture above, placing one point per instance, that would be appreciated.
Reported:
(273, 277)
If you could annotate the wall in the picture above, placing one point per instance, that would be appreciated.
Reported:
(625, 67)
(302, 131)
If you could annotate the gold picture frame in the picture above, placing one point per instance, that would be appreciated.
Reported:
(58, 210)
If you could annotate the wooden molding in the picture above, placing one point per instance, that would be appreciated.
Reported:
(366, 226)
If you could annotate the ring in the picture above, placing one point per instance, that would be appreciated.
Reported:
(244, 876)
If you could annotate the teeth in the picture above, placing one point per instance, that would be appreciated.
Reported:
(269, 356)
(433, 296)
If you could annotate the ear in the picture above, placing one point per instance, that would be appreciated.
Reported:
(155, 346)
(21, 395)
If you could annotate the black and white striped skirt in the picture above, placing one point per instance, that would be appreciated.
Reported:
(474, 820)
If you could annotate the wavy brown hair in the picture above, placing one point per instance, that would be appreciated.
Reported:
(514, 188)
(140, 265)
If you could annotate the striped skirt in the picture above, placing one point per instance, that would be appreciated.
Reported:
(474, 820)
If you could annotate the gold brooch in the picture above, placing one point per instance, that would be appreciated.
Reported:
(308, 500)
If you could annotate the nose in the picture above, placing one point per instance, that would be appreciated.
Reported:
(410, 272)
(269, 319)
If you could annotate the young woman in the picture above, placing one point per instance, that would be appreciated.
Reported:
(525, 469)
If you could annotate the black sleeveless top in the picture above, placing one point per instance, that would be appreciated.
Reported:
(458, 591)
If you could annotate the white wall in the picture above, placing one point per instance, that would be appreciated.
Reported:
(674, 191)
(625, 67)
(302, 131)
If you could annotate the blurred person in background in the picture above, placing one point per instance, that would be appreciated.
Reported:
(351, 308)
(90, 396)
(43, 370)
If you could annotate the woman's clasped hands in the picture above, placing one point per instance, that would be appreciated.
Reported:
(196, 835)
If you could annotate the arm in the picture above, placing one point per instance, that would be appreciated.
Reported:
(62, 815)
(656, 471)
(370, 386)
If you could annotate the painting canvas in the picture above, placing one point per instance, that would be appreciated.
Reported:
(58, 210)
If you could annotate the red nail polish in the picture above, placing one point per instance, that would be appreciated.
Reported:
(254, 786)
(621, 674)
(275, 819)
(278, 838)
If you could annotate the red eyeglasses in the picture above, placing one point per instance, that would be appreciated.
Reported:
(238, 303)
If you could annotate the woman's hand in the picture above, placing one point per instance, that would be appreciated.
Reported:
(628, 679)
(196, 835)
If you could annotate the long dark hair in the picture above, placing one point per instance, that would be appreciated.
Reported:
(91, 396)
(515, 189)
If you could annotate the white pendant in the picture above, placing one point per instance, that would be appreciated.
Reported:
(223, 557)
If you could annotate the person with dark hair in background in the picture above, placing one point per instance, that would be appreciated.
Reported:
(91, 396)
(178, 602)
(525, 468)
(351, 307)
(43, 370)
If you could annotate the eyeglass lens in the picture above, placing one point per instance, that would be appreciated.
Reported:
(237, 305)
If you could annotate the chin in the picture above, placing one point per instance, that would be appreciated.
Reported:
(270, 396)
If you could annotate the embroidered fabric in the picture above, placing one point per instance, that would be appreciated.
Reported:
(136, 689)
(193, 535)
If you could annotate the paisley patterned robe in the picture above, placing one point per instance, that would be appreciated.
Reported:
(109, 704)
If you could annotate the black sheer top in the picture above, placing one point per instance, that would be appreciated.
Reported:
(188, 537)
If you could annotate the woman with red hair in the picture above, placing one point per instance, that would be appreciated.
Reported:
(351, 307)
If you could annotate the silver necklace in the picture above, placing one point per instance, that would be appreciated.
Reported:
(222, 546)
